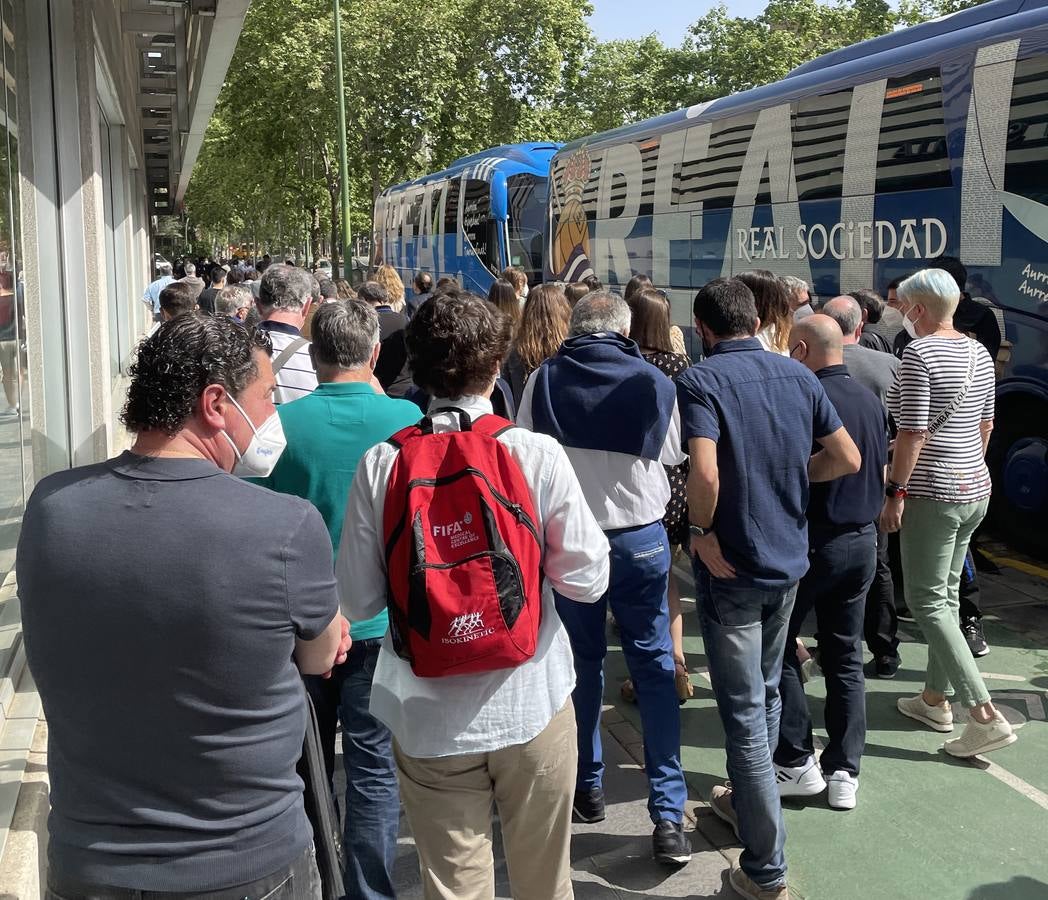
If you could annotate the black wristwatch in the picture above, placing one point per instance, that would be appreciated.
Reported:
(896, 491)
(699, 531)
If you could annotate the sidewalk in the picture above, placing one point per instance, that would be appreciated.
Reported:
(612, 859)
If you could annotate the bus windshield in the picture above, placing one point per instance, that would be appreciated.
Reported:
(527, 210)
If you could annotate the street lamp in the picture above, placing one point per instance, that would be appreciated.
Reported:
(347, 255)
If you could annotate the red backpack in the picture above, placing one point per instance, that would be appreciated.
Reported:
(463, 553)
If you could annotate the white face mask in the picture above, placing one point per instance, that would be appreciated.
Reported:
(910, 325)
(261, 455)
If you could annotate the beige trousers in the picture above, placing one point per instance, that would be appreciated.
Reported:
(448, 801)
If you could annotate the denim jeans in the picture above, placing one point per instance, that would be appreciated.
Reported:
(881, 625)
(744, 630)
(835, 586)
(372, 807)
(640, 566)
(298, 881)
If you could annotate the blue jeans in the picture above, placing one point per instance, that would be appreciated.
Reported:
(640, 566)
(836, 585)
(372, 808)
(744, 630)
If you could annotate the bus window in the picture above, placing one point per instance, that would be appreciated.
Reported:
(912, 154)
(820, 127)
(476, 220)
(712, 180)
(1024, 172)
(414, 211)
(451, 207)
(527, 210)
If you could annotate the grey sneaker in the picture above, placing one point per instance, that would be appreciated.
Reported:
(938, 718)
(979, 738)
(748, 888)
(720, 803)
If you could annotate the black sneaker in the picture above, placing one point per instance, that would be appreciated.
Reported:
(883, 667)
(588, 806)
(670, 844)
(973, 633)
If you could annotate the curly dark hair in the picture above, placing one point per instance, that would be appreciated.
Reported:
(456, 342)
(178, 360)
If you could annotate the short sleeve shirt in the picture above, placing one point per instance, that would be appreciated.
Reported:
(161, 600)
(763, 411)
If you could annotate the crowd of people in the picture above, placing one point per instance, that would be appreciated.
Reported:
(439, 500)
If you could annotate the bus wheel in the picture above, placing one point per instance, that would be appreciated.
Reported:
(1018, 460)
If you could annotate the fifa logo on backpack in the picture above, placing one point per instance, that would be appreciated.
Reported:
(458, 531)
(467, 627)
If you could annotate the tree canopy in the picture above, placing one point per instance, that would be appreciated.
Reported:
(428, 82)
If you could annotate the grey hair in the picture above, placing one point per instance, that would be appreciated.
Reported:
(345, 333)
(190, 270)
(600, 311)
(793, 284)
(232, 298)
(845, 311)
(935, 289)
(164, 267)
(285, 287)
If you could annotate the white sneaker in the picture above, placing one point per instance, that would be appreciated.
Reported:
(842, 788)
(979, 738)
(938, 718)
(800, 781)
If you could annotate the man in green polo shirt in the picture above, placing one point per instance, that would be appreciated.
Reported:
(327, 433)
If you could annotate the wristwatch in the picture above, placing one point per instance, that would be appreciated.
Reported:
(699, 531)
(896, 491)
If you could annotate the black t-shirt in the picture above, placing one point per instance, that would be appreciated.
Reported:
(161, 600)
(392, 369)
(206, 300)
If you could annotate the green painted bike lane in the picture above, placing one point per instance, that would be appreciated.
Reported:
(927, 826)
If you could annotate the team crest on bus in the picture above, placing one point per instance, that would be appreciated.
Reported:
(571, 248)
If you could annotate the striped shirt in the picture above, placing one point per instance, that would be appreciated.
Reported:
(933, 371)
(296, 377)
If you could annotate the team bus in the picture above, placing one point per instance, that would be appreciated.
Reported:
(481, 214)
(856, 168)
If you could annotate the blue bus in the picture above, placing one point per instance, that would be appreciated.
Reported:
(483, 213)
(856, 168)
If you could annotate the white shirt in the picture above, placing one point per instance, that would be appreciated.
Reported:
(296, 377)
(622, 490)
(479, 713)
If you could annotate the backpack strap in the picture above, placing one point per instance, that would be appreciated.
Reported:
(492, 425)
(289, 351)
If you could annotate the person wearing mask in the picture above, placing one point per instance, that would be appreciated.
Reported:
(876, 371)
(516, 277)
(422, 291)
(650, 329)
(284, 301)
(938, 493)
(842, 558)
(206, 300)
(503, 737)
(773, 309)
(327, 433)
(616, 417)
(190, 278)
(201, 795)
(392, 370)
(542, 329)
(799, 293)
(151, 295)
(880, 323)
(234, 301)
(750, 419)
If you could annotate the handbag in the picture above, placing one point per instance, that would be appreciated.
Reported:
(940, 420)
(320, 810)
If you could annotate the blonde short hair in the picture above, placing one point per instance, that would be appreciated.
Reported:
(934, 289)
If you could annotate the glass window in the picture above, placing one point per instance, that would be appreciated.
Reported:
(1025, 169)
(477, 222)
(451, 207)
(713, 180)
(912, 153)
(527, 212)
(414, 211)
(820, 127)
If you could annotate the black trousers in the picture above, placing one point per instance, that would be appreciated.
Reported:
(842, 567)
(881, 625)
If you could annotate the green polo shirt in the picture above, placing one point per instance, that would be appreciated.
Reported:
(327, 433)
